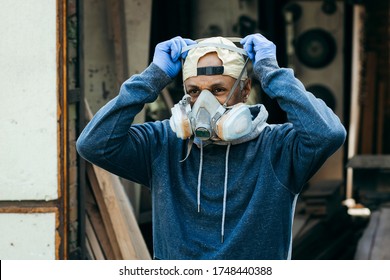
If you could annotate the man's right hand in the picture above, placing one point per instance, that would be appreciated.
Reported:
(167, 55)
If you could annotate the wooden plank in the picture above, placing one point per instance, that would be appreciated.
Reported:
(369, 105)
(90, 254)
(369, 162)
(364, 248)
(116, 26)
(98, 225)
(93, 242)
(357, 51)
(131, 225)
(130, 240)
(138, 20)
(381, 117)
(104, 212)
(381, 244)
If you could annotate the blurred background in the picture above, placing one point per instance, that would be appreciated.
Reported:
(61, 61)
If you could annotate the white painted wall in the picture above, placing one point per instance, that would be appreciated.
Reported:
(27, 236)
(28, 101)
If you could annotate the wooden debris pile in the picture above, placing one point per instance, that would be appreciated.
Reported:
(112, 231)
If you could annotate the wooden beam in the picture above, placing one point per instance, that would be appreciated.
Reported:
(381, 245)
(138, 19)
(93, 241)
(369, 104)
(98, 225)
(90, 253)
(129, 237)
(104, 212)
(375, 241)
(353, 131)
(117, 28)
(381, 117)
(131, 225)
(370, 162)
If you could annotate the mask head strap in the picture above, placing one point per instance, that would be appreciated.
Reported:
(236, 84)
(217, 45)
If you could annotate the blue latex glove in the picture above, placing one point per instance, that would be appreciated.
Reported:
(167, 55)
(258, 47)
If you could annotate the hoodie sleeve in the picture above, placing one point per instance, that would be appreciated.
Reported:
(313, 134)
(111, 141)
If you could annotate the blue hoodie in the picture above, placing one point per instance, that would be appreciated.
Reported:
(246, 189)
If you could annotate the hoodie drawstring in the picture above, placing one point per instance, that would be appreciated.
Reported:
(224, 187)
(200, 176)
(225, 193)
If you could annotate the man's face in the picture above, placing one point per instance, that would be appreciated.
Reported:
(218, 85)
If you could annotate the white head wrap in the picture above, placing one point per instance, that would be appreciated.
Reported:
(232, 61)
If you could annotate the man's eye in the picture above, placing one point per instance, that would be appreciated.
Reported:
(218, 90)
(193, 92)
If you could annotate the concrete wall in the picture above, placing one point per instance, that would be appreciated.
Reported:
(99, 56)
(28, 108)
(28, 123)
(221, 16)
(27, 236)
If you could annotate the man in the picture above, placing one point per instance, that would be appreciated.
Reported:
(223, 186)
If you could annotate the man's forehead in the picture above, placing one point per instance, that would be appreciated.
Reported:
(209, 59)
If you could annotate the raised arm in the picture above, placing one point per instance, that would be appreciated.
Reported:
(110, 140)
(315, 132)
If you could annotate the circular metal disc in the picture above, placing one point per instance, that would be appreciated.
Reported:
(315, 48)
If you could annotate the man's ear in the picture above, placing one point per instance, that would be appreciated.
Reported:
(246, 90)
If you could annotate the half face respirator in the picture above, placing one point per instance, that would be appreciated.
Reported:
(208, 119)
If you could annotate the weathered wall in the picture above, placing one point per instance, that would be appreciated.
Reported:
(27, 236)
(28, 117)
(211, 18)
(99, 57)
(28, 122)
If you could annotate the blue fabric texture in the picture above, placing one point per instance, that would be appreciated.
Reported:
(265, 174)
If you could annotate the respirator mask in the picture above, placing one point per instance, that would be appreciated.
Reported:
(208, 119)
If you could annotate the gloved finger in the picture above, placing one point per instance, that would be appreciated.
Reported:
(248, 46)
(243, 41)
(261, 40)
(255, 38)
(176, 46)
(248, 38)
(162, 46)
(188, 42)
(179, 44)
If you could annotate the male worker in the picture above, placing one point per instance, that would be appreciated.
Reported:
(224, 183)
